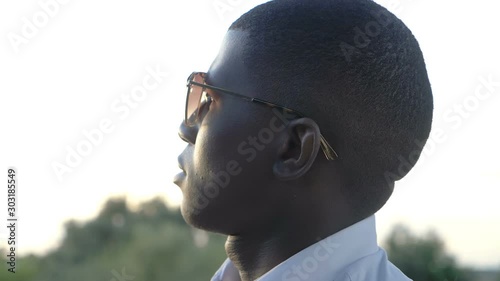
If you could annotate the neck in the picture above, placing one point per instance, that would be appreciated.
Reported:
(254, 254)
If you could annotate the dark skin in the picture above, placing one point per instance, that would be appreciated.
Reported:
(283, 200)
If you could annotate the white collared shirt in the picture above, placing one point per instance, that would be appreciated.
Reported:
(351, 254)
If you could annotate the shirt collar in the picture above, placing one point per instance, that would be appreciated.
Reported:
(320, 261)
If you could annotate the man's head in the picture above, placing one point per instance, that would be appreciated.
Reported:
(353, 69)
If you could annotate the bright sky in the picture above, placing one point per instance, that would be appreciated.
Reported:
(77, 69)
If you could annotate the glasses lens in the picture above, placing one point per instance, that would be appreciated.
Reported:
(193, 100)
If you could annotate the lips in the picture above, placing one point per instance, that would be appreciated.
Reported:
(179, 178)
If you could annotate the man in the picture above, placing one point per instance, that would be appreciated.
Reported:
(296, 134)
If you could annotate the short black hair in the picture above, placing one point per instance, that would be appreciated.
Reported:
(357, 70)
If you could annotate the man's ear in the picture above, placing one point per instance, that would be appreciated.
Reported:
(299, 150)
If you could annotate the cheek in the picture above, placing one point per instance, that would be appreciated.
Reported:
(230, 179)
(218, 140)
(215, 164)
(227, 164)
(233, 139)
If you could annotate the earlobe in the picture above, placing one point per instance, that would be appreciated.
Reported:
(299, 150)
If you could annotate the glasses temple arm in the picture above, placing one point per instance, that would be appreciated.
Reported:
(327, 149)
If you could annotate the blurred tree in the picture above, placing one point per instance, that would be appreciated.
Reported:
(26, 268)
(152, 243)
(422, 259)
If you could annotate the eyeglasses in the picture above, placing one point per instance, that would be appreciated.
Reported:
(197, 97)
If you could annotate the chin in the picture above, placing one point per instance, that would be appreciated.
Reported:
(190, 214)
(195, 216)
(205, 218)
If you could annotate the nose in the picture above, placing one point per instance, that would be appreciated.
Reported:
(188, 134)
